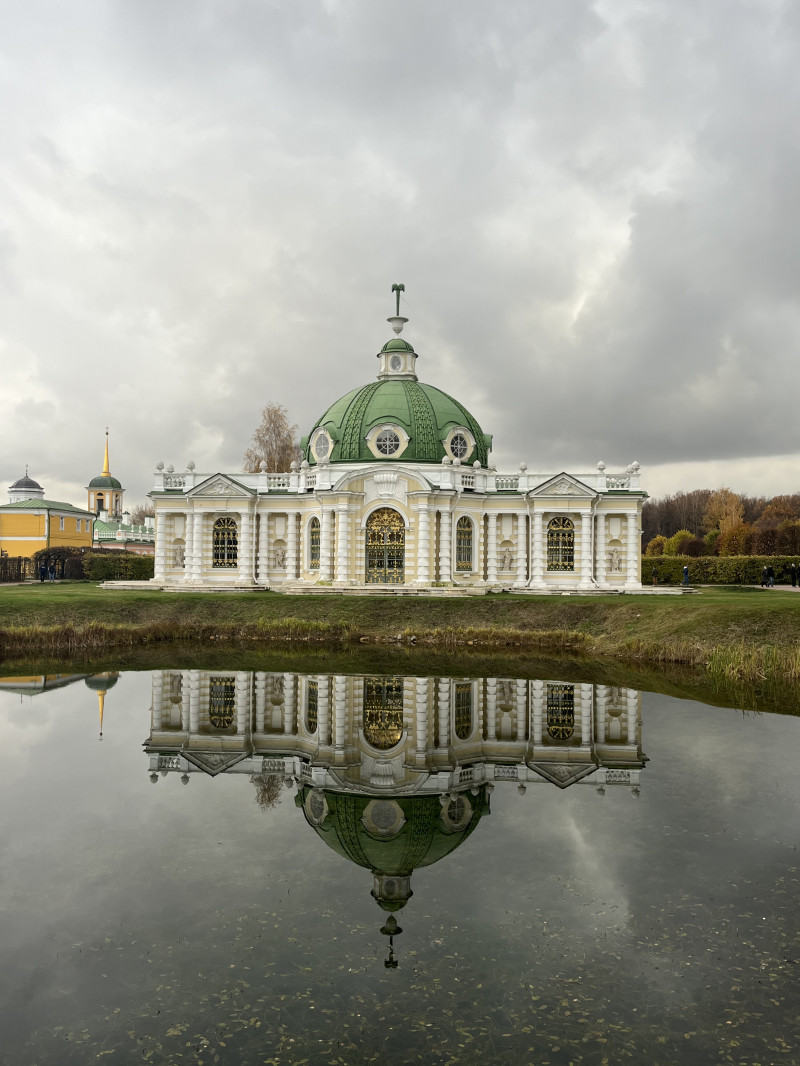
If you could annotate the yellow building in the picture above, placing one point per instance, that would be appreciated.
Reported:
(29, 522)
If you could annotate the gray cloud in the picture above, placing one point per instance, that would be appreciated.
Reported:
(203, 207)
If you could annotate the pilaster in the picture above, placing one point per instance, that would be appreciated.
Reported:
(291, 546)
(342, 545)
(445, 546)
(263, 548)
(537, 561)
(601, 550)
(522, 549)
(586, 549)
(491, 548)
(423, 545)
(633, 577)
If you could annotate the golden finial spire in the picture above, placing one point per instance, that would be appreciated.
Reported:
(101, 699)
(106, 471)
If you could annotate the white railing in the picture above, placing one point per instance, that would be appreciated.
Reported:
(468, 481)
(617, 482)
(278, 481)
(466, 775)
(272, 766)
(505, 483)
(174, 481)
(169, 762)
(618, 777)
(506, 773)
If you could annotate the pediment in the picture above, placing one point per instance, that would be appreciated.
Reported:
(562, 774)
(384, 480)
(563, 485)
(220, 485)
(214, 762)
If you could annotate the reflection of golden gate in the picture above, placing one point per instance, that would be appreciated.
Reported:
(222, 700)
(560, 711)
(383, 711)
(386, 548)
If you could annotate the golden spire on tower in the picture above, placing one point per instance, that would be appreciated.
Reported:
(106, 471)
(101, 699)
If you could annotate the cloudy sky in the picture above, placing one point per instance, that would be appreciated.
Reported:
(593, 207)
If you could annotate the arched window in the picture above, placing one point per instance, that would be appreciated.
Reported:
(383, 711)
(225, 544)
(560, 711)
(463, 711)
(560, 544)
(312, 695)
(99, 504)
(222, 697)
(464, 544)
(313, 544)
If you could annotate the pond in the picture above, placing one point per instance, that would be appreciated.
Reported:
(267, 866)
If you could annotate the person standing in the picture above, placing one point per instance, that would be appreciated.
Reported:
(763, 576)
(770, 576)
(42, 571)
(685, 576)
(794, 576)
(51, 571)
(655, 575)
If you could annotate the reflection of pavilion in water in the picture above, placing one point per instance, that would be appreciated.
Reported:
(393, 773)
(36, 684)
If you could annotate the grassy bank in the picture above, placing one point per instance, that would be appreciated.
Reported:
(738, 634)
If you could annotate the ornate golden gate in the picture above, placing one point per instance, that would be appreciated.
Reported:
(383, 711)
(386, 548)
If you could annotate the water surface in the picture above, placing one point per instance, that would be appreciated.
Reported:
(581, 873)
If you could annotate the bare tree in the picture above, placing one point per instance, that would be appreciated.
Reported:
(274, 442)
(140, 511)
(268, 790)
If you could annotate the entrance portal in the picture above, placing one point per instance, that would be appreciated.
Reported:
(386, 548)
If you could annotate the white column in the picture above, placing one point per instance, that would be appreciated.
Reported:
(600, 712)
(633, 577)
(261, 700)
(288, 704)
(342, 545)
(188, 539)
(242, 691)
(421, 712)
(185, 696)
(158, 701)
(601, 550)
(537, 562)
(339, 712)
(194, 702)
(160, 565)
(522, 708)
(491, 708)
(445, 571)
(325, 527)
(423, 545)
(198, 527)
(491, 549)
(245, 553)
(537, 710)
(444, 714)
(291, 546)
(586, 715)
(522, 549)
(633, 714)
(586, 549)
(324, 710)
(263, 549)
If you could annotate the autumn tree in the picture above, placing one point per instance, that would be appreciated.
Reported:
(779, 509)
(274, 442)
(738, 540)
(724, 510)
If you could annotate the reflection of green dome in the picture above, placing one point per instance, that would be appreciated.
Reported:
(392, 835)
(101, 682)
(426, 414)
(104, 481)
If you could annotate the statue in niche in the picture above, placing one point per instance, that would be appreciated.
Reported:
(179, 554)
(280, 558)
(506, 559)
(616, 561)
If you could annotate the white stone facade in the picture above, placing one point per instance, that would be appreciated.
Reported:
(308, 529)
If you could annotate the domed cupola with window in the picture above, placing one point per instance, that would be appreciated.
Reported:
(25, 488)
(397, 417)
(105, 492)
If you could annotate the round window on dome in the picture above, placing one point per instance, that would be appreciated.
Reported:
(396, 362)
(322, 445)
(387, 442)
(459, 446)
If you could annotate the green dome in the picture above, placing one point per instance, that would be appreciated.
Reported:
(425, 413)
(101, 682)
(396, 344)
(104, 481)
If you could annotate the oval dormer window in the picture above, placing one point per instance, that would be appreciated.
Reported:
(459, 446)
(396, 362)
(322, 445)
(387, 442)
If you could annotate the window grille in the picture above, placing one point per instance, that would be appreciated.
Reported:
(387, 442)
(313, 544)
(312, 698)
(463, 544)
(383, 711)
(560, 711)
(463, 711)
(459, 446)
(561, 544)
(222, 700)
(226, 548)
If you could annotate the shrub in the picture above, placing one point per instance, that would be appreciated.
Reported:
(117, 566)
(655, 547)
(674, 545)
(738, 540)
(717, 570)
